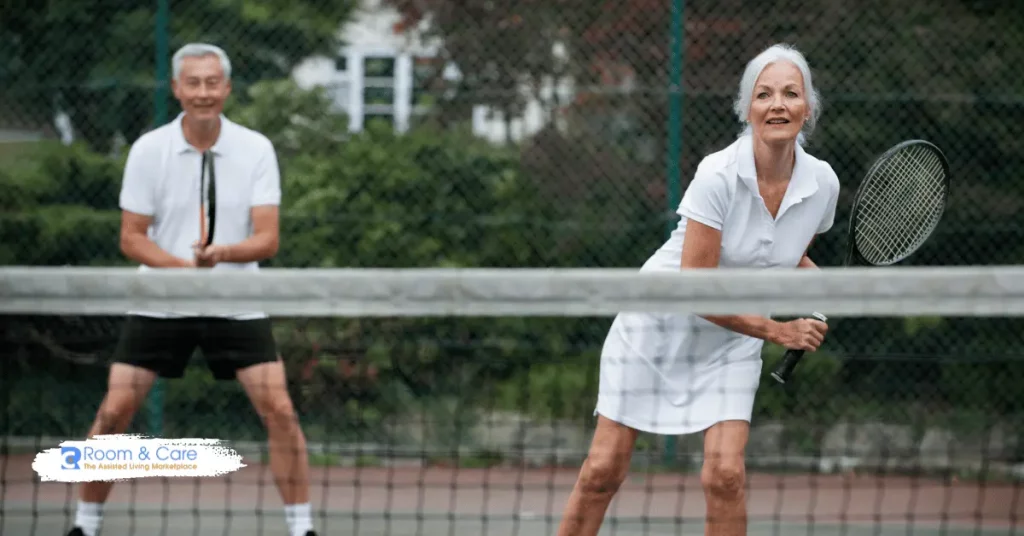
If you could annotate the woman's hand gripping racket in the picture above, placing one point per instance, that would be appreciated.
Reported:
(897, 207)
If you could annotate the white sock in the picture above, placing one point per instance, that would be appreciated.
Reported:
(89, 517)
(299, 518)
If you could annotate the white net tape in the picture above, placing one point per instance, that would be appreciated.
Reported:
(966, 291)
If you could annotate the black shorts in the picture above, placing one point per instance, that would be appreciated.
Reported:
(165, 345)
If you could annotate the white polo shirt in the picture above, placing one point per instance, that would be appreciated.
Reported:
(162, 180)
(677, 373)
(724, 195)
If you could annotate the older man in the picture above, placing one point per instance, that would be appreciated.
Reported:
(178, 178)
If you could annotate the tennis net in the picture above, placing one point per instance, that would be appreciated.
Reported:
(457, 402)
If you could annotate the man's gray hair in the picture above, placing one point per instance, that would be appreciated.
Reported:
(775, 54)
(199, 50)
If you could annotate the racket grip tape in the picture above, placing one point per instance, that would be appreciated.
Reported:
(784, 371)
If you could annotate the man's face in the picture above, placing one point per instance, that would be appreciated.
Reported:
(201, 87)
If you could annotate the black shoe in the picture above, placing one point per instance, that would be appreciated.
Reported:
(308, 533)
(77, 531)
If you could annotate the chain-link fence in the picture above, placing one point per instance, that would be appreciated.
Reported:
(597, 142)
(529, 133)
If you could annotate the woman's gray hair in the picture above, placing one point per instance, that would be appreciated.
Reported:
(775, 54)
(199, 50)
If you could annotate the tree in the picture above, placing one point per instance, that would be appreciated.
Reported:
(95, 58)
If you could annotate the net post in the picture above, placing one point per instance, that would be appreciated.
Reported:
(674, 148)
(155, 400)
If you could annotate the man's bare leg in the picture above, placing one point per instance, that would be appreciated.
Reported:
(127, 387)
(266, 386)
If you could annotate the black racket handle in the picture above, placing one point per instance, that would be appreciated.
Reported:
(785, 369)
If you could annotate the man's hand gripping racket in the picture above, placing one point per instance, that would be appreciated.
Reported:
(896, 209)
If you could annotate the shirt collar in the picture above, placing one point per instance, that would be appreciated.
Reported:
(181, 145)
(802, 185)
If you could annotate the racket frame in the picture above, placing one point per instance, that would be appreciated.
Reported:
(207, 162)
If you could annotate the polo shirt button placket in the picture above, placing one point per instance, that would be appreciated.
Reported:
(767, 242)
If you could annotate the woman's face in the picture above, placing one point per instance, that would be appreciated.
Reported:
(778, 106)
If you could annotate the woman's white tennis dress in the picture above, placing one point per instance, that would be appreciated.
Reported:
(678, 373)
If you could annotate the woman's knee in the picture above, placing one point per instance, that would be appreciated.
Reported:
(724, 478)
(607, 463)
(603, 473)
(724, 473)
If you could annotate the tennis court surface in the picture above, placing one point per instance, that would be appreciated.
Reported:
(506, 501)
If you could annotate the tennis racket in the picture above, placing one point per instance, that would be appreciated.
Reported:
(896, 208)
(208, 210)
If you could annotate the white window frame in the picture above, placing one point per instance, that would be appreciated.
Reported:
(401, 108)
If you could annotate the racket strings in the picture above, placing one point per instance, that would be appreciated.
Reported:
(901, 204)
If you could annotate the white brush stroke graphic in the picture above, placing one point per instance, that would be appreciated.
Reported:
(113, 458)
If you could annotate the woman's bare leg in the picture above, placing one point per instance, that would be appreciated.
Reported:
(602, 473)
(724, 478)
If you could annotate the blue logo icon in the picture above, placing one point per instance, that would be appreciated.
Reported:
(69, 457)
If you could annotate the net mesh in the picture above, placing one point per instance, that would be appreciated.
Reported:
(461, 402)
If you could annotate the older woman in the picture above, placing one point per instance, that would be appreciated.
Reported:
(757, 203)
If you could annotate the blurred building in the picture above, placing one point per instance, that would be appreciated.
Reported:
(383, 71)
